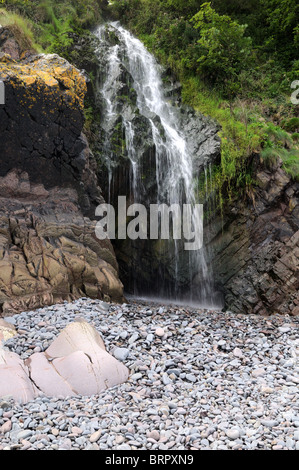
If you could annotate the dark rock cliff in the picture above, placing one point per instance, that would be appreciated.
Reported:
(255, 247)
(48, 187)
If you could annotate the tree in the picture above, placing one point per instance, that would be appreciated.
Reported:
(282, 28)
(183, 7)
(224, 48)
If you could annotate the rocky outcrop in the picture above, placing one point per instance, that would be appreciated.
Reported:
(255, 247)
(76, 363)
(48, 190)
(14, 42)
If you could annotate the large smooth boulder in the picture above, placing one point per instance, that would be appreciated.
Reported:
(79, 356)
(14, 378)
(76, 363)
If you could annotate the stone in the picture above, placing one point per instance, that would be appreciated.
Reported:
(136, 376)
(121, 354)
(153, 435)
(237, 352)
(191, 377)
(6, 427)
(166, 379)
(95, 436)
(269, 423)
(79, 356)
(232, 433)
(258, 372)
(24, 434)
(7, 330)
(133, 338)
(15, 381)
(78, 335)
(47, 378)
(159, 332)
(266, 390)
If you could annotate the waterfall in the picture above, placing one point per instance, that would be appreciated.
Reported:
(155, 167)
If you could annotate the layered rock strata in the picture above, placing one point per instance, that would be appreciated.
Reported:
(255, 247)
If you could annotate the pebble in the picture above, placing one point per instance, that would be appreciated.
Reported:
(191, 377)
(258, 372)
(133, 338)
(268, 423)
(121, 353)
(136, 376)
(237, 352)
(119, 440)
(160, 332)
(216, 381)
(154, 435)
(233, 434)
(6, 427)
(95, 436)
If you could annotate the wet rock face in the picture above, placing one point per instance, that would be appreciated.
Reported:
(48, 190)
(256, 255)
(134, 153)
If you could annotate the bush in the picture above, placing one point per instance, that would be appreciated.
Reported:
(291, 125)
(224, 49)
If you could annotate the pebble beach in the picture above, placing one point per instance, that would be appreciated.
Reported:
(199, 379)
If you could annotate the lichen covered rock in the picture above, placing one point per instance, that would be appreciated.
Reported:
(48, 190)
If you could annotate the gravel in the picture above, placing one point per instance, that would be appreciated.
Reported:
(199, 379)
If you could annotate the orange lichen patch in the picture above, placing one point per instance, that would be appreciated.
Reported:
(28, 79)
(47, 73)
(6, 58)
(47, 78)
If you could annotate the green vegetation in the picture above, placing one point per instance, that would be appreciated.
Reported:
(22, 29)
(236, 60)
(224, 48)
(52, 23)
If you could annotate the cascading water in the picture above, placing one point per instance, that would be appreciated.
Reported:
(146, 155)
